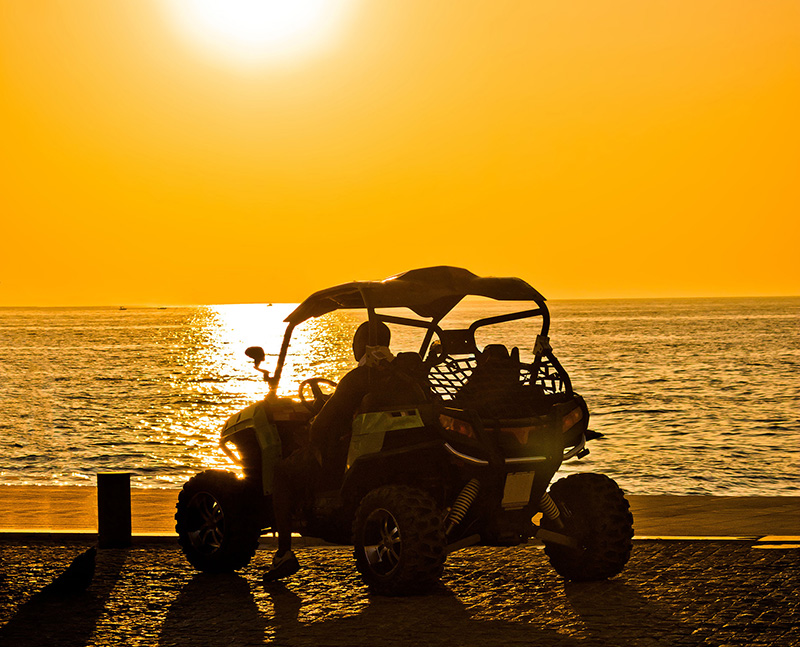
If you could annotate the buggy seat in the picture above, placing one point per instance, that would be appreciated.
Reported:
(495, 389)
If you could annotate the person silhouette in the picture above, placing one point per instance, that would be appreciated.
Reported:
(323, 461)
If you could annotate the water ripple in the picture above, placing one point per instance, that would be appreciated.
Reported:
(694, 397)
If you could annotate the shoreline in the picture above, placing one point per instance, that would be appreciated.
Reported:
(73, 509)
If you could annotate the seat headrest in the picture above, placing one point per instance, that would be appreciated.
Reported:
(495, 351)
(408, 361)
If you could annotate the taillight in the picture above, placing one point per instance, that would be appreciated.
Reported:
(459, 426)
(571, 419)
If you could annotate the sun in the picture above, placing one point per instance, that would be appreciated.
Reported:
(252, 32)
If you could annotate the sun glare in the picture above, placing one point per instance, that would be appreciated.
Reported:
(251, 32)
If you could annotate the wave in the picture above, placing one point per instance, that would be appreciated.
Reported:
(643, 411)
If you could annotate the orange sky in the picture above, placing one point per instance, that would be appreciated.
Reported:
(596, 149)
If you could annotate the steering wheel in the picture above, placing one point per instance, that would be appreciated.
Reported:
(320, 398)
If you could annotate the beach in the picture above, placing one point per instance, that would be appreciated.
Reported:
(577, 222)
(703, 571)
(701, 444)
(73, 509)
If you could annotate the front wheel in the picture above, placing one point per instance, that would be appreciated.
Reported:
(399, 540)
(217, 521)
(594, 511)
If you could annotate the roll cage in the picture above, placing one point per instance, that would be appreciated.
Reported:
(432, 293)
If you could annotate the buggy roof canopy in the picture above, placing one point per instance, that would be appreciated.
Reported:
(429, 292)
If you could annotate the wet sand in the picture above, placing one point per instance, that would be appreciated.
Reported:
(73, 509)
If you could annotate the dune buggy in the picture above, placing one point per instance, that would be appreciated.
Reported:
(466, 460)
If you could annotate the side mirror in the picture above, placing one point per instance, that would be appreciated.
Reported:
(256, 353)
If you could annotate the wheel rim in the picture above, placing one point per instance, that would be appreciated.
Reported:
(207, 529)
(383, 544)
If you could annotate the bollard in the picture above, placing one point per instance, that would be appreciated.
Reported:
(113, 509)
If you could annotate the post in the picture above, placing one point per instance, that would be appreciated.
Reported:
(114, 509)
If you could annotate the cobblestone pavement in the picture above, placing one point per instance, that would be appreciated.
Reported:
(672, 593)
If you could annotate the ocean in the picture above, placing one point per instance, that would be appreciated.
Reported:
(694, 396)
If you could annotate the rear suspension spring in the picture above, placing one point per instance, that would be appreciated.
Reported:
(549, 507)
(462, 504)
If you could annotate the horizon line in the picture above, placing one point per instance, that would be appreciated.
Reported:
(229, 303)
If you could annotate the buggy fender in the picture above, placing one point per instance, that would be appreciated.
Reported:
(255, 418)
(401, 465)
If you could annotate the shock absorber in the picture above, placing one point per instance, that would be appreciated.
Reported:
(462, 504)
(550, 509)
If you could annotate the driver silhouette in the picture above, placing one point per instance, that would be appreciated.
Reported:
(322, 463)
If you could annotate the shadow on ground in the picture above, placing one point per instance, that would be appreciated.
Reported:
(213, 610)
(222, 610)
(53, 616)
(614, 613)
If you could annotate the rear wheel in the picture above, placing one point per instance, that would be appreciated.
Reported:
(399, 540)
(217, 521)
(595, 512)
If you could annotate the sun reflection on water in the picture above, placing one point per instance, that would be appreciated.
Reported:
(212, 378)
(319, 347)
